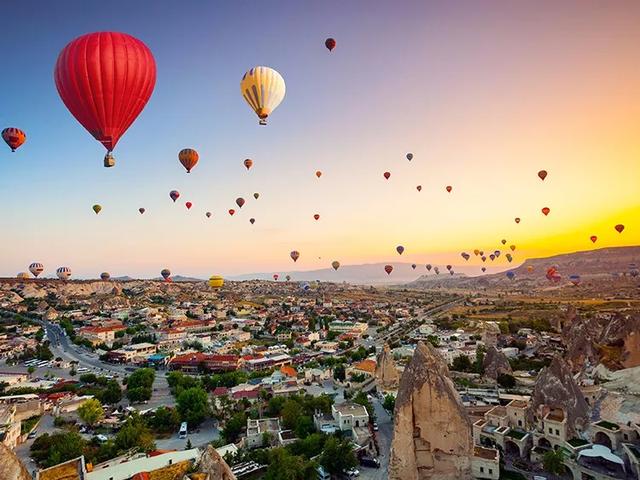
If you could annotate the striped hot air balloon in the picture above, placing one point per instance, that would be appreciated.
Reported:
(36, 269)
(63, 273)
(14, 137)
(263, 89)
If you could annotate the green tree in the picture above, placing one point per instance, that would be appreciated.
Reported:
(339, 373)
(193, 406)
(234, 426)
(461, 363)
(284, 466)
(553, 462)
(291, 411)
(164, 420)
(506, 381)
(337, 456)
(134, 434)
(389, 402)
(139, 385)
(91, 412)
(112, 393)
(48, 450)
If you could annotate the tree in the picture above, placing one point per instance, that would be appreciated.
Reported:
(49, 450)
(112, 393)
(164, 420)
(134, 434)
(506, 381)
(553, 462)
(30, 370)
(234, 426)
(461, 363)
(339, 373)
(337, 456)
(139, 385)
(188, 446)
(389, 402)
(291, 411)
(284, 466)
(91, 412)
(193, 406)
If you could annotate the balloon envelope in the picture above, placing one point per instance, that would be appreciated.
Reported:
(294, 255)
(97, 209)
(36, 269)
(619, 228)
(263, 89)
(335, 264)
(330, 43)
(174, 195)
(400, 249)
(240, 202)
(188, 158)
(215, 281)
(14, 137)
(388, 269)
(248, 163)
(105, 276)
(166, 273)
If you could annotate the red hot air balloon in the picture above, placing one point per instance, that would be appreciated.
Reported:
(449, 267)
(14, 137)
(546, 211)
(593, 238)
(388, 269)
(619, 228)
(484, 269)
(231, 211)
(188, 158)
(252, 221)
(141, 210)
(330, 43)
(318, 173)
(316, 216)
(248, 163)
(413, 265)
(295, 255)
(386, 175)
(542, 174)
(105, 79)
(492, 257)
(419, 188)
(276, 276)
(188, 205)
(174, 194)
(449, 188)
(240, 202)
(517, 219)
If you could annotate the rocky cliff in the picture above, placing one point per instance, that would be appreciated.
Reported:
(555, 388)
(214, 465)
(431, 432)
(613, 340)
(495, 363)
(387, 376)
(10, 467)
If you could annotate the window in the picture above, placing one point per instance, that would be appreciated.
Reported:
(519, 423)
(491, 471)
(550, 430)
(481, 469)
(557, 432)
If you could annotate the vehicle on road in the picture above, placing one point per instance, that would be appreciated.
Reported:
(370, 462)
(183, 430)
(375, 426)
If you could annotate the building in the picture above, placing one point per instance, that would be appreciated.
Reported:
(261, 430)
(485, 463)
(137, 352)
(349, 415)
(196, 361)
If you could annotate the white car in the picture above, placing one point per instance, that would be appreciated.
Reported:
(353, 473)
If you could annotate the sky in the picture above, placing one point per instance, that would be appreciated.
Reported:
(484, 94)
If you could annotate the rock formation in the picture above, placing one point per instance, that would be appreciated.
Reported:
(555, 388)
(611, 340)
(10, 466)
(495, 363)
(431, 432)
(213, 464)
(386, 373)
(490, 333)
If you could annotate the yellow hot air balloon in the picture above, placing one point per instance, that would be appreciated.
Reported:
(263, 88)
(215, 281)
(96, 208)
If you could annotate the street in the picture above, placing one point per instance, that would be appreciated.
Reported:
(384, 435)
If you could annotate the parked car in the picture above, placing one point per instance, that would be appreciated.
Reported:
(370, 462)
(375, 427)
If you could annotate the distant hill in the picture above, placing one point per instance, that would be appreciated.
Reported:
(588, 264)
(181, 278)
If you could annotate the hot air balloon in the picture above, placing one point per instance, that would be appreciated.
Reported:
(476, 252)
(276, 276)
(294, 255)
(188, 158)
(335, 264)
(208, 214)
(252, 221)
(451, 272)
(428, 266)
(481, 252)
(409, 156)
(449, 267)
(496, 253)
(437, 270)
(174, 194)
(188, 205)
(593, 238)
(305, 287)
(465, 255)
(263, 89)
(166, 274)
(530, 268)
(388, 269)
(413, 265)
(511, 275)
(517, 219)
(330, 43)
(215, 281)
(256, 195)
(619, 228)
(546, 211)
(484, 269)
(104, 276)
(141, 210)
(36, 269)
(633, 269)
(63, 273)
(492, 257)
(575, 279)
(419, 188)
(483, 258)
(509, 257)
(318, 173)
(316, 216)
(399, 249)
(97, 208)
(248, 163)
(105, 79)
(240, 202)
(386, 175)
(22, 276)
(449, 188)
(287, 278)
(14, 137)
(512, 247)
(542, 174)
(231, 211)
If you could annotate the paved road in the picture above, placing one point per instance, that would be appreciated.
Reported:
(22, 450)
(208, 432)
(384, 435)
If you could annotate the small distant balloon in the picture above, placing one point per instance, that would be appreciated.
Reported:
(166, 273)
(188, 158)
(449, 267)
(14, 137)
(388, 269)
(174, 194)
(593, 238)
(542, 174)
(36, 268)
(449, 188)
(240, 202)
(512, 247)
(428, 267)
(318, 173)
(492, 257)
(248, 163)
(517, 219)
(287, 277)
(141, 210)
(546, 211)
(330, 43)
(386, 175)
(294, 255)
(511, 275)
(316, 216)
(465, 255)
(252, 221)
(256, 195)
(400, 249)
(208, 214)
(188, 205)
(409, 156)
(619, 228)
(231, 211)
(484, 269)
(104, 276)
(335, 264)
(413, 265)
(276, 276)
(504, 241)
(419, 188)
(97, 208)
(483, 258)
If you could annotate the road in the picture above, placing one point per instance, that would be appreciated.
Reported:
(384, 435)
(22, 451)
(207, 433)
